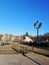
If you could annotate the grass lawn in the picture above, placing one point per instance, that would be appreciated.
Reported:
(41, 50)
(25, 48)
(22, 47)
(6, 49)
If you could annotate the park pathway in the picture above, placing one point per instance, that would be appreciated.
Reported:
(19, 59)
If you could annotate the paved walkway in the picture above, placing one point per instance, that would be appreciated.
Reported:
(38, 59)
(19, 59)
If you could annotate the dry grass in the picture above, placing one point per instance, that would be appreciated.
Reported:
(41, 51)
(26, 48)
(6, 49)
(22, 47)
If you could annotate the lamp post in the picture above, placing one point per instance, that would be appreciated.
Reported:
(37, 25)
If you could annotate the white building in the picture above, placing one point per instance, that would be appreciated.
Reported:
(27, 39)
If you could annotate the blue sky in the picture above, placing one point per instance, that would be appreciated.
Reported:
(18, 16)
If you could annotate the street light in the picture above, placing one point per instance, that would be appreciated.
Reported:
(37, 25)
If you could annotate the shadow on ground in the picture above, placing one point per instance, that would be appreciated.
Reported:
(31, 59)
(16, 50)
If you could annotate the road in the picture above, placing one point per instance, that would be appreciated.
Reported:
(19, 59)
